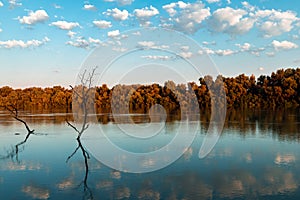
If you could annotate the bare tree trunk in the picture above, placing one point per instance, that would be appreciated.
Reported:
(83, 93)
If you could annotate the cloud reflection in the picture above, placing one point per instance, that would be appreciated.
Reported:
(149, 194)
(115, 174)
(273, 182)
(36, 192)
(284, 159)
(278, 182)
(248, 158)
(66, 184)
(107, 184)
(123, 192)
(23, 166)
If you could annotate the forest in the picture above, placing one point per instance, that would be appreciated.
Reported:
(281, 89)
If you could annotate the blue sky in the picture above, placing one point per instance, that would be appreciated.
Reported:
(44, 43)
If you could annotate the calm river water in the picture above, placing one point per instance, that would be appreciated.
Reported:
(257, 157)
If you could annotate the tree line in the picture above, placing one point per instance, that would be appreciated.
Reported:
(281, 89)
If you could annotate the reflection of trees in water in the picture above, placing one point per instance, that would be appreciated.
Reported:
(282, 124)
(14, 152)
(42, 117)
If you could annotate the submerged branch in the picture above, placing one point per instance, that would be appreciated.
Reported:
(14, 112)
(15, 151)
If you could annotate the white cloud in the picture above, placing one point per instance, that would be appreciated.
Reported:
(226, 52)
(257, 51)
(144, 15)
(206, 51)
(119, 49)
(34, 17)
(56, 6)
(157, 57)
(213, 1)
(295, 37)
(64, 25)
(248, 6)
(261, 69)
(102, 24)
(151, 45)
(284, 45)
(1, 4)
(46, 39)
(71, 34)
(270, 54)
(186, 17)
(231, 21)
(145, 23)
(89, 7)
(8, 44)
(273, 22)
(244, 47)
(220, 52)
(136, 33)
(121, 2)
(1, 30)
(14, 3)
(114, 33)
(184, 48)
(187, 54)
(117, 14)
(94, 41)
(209, 43)
(81, 42)
(171, 8)
(146, 12)
(146, 44)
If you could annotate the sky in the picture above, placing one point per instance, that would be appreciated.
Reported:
(45, 43)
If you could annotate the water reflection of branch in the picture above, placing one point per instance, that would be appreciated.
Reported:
(15, 151)
(87, 191)
(83, 93)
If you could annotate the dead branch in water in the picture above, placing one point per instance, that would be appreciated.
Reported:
(82, 93)
(14, 113)
(15, 151)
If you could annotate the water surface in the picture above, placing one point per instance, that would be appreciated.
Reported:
(257, 157)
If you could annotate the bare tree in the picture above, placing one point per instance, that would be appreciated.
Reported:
(82, 95)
